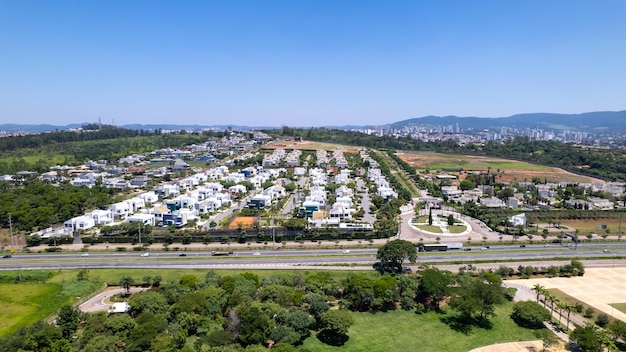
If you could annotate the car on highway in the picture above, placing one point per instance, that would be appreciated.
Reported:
(345, 251)
(182, 255)
(484, 248)
(605, 250)
(522, 246)
(546, 245)
(84, 254)
(467, 249)
(256, 253)
(6, 256)
(145, 254)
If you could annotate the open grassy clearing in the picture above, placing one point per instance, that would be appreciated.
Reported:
(404, 331)
(429, 228)
(27, 303)
(619, 306)
(588, 226)
(564, 297)
(510, 170)
(457, 228)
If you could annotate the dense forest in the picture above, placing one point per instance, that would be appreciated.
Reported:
(37, 152)
(602, 163)
(37, 205)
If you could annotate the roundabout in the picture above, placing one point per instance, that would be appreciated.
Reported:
(439, 226)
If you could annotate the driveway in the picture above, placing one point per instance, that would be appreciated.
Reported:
(101, 302)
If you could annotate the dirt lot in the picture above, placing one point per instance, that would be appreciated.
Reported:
(244, 221)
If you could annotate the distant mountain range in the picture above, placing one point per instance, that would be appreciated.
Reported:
(599, 121)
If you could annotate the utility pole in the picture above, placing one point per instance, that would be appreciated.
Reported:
(11, 231)
(140, 233)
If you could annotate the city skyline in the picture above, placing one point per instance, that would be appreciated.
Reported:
(306, 63)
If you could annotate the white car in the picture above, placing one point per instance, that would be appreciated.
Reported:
(145, 254)
(345, 251)
(256, 253)
(84, 254)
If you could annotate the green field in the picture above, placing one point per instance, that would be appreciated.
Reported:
(406, 331)
(619, 306)
(457, 228)
(429, 228)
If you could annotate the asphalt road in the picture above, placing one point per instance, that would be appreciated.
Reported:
(305, 257)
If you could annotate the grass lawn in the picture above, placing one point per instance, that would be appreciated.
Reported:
(564, 297)
(406, 331)
(619, 306)
(457, 228)
(429, 228)
(25, 304)
(588, 226)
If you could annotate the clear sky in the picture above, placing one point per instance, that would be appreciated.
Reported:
(307, 62)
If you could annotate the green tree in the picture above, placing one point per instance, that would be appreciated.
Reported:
(530, 314)
(149, 301)
(436, 284)
(336, 322)
(68, 320)
(478, 295)
(394, 253)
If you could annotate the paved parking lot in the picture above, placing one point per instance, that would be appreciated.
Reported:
(599, 288)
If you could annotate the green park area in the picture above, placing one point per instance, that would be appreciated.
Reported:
(401, 330)
(393, 330)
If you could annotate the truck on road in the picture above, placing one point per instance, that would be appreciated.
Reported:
(442, 247)
(220, 253)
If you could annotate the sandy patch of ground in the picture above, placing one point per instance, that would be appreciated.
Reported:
(244, 221)
(599, 288)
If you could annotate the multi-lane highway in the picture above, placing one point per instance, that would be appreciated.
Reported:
(323, 258)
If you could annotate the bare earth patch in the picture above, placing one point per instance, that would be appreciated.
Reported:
(245, 222)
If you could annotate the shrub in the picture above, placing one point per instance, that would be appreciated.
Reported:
(589, 312)
(579, 307)
(602, 320)
(530, 314)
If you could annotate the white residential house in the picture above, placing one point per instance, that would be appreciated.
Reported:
(299, 171)
(513, 202)
(386, 192)
(79, 223)
(149, 197)
(341, 211)
(136, 204)
(517, 220)
(145, 219)
(492, 202)
(450, 191)
(168, 190)
(238, 189)
(157, 213)
(101, 217)
(343, 191)
(120, 210)
(276, 192)
(601, 203)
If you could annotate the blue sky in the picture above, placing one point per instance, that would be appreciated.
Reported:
(306, 63)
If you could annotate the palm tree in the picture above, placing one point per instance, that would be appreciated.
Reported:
(569, 308)
(553, 301)
(539, 289)
(126, 282)
(561, 306)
